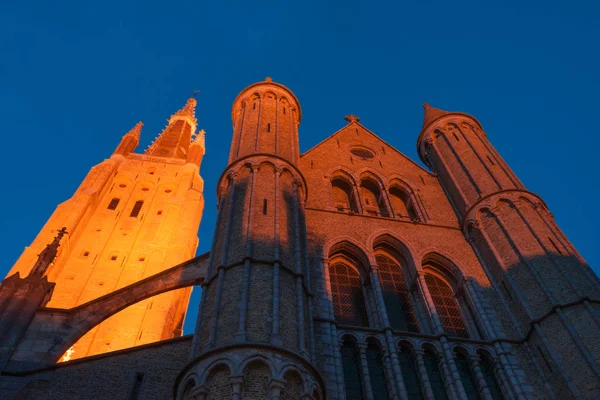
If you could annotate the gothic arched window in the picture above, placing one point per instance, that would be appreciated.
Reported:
(395, 295)
(402, 203)
(446, 306)
(343, 196)
(436, 380)
(376, 371)
(409, 373)
(351, 368)
(347, 295)
(466, 377)
(373, 200)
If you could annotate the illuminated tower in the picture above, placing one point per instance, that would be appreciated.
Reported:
(536, 271)
(254, 333)
(133, 216)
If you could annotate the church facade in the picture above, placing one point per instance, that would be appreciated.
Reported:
(346, 272)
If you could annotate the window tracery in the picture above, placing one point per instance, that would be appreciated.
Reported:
(446, 306)
(347, 295)
(396, 295)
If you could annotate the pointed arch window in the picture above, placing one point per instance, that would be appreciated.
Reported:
(351, 368)
(446, 306)
(373, 199)
(347, 295)
(343, 196)
(402, 203)
(396, 295)
(376, 371)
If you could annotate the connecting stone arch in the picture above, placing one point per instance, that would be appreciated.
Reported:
(61, 328)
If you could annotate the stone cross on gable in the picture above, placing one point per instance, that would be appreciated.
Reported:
(351, 118)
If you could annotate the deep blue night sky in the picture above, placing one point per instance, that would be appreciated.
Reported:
(74, 77)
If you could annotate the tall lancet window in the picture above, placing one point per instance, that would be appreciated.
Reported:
(446, 306)
(395, 295)
(347, 295)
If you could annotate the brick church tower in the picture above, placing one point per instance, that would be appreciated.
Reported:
(133, 216)
(539, 275)
(256, 306)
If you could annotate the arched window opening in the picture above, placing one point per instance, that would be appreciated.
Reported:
(466, 377)
(408, 367)
(436, 381)
(373, 199)
(446, 306)
(402, 204)
(396, 295)
(351, 368)
(347, 295)
(376, 371)
(487, 369)
(343, 196)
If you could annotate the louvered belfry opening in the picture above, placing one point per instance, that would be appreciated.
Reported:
(395, 295)
(347, 295)
(446, 306)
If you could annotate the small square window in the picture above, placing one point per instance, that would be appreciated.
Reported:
(113, 258)
(142, 259)
(159, 212)
(86, 253)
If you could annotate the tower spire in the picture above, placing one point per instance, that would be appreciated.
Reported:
(431, 114)
(175, 139)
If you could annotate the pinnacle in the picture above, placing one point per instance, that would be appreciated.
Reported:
(189, 110)
(200, 138)
(136, 130)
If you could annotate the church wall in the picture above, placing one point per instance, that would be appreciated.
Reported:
(112, 375)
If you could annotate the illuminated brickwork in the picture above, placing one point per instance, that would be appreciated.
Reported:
(346, 272)
(133, 216)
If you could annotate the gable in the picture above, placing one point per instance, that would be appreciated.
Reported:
(357, 148)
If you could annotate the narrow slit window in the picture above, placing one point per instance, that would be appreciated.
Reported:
(490, 160)
(269, 127)
(113, 204)
(253, 106)
(137, 386)
(284, 110)
(135, 211)
(265, 207)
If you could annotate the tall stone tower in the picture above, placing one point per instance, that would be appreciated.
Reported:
(529, 261)
(133, 216)
(254, 333)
